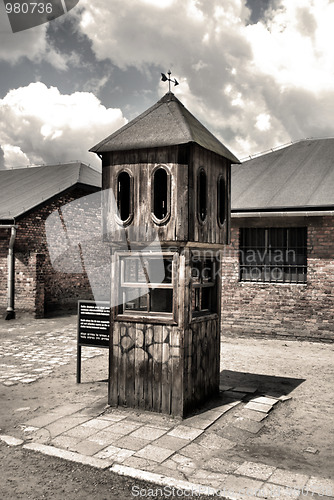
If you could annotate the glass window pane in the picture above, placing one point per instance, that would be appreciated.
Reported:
(133, 300)
(161, 300)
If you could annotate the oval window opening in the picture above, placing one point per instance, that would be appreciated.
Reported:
(221, 201)
(201, 190)
(160, 193)
(124, 195)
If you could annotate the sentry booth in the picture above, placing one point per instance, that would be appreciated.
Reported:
(166, 182)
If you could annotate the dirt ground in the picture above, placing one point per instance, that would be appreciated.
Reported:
(303, 370)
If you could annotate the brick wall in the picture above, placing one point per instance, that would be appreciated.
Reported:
(42, 286)
(293, 310)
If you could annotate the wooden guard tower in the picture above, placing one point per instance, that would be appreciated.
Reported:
(170, 178)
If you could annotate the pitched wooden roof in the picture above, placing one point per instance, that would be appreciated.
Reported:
(300, 175)
(22, 189)
(167, 123)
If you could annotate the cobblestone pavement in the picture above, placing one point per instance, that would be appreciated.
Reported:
(32, 354)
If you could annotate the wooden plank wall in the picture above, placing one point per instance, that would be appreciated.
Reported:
(142, 228)
(201, 362)
(214, 165)
(146, 367)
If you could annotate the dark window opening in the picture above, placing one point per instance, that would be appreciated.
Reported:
(274, 255)
(201, 195)
(124, 196)
(221, 201)
(160, 193)
(204, 286)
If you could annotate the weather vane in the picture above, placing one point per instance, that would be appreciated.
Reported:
(169, 80)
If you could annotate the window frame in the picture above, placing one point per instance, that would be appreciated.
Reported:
(147, 316)
(290, 274)
(165, 219)
(129, 219)
(197, 286)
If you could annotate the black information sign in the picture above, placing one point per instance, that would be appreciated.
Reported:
(93, 323)
(93, 327)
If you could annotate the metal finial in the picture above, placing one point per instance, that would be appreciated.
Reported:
(169, 79)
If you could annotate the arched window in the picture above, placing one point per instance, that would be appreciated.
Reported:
(221, 200)
(201, 195)
(161, 194)
(124, 196)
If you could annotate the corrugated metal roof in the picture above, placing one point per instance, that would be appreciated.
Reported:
(22, 189)
(166, 123)
(300, 175)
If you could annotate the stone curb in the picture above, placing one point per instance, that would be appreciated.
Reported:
(151, 477)
(72, 456)
(10, 440)
(162, 480)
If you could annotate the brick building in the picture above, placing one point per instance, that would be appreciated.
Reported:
(279, 268)
(27, 198)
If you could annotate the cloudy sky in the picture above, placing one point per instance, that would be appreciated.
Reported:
(257, 73)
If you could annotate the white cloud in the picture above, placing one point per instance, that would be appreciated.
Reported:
(32, 43)
(40, 125)
(240, 79)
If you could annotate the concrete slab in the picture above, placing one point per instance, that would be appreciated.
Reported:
(124, 427)
(131, 442)
(198, 422)
(185, 432)
(240, 487)
(114, 453)
(289, 479)
(64, 424)
(171, 442)
(255, 470)
(148, 433)
(104, 437)
(248, 425)
(264, 408)
(264, 400)
(320, 486)
(155, 453)
(87, 447)
(212, 441)
(254, 415)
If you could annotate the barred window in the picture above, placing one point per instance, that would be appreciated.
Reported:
(274, 255)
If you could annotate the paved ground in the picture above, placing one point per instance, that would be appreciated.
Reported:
(227, 446)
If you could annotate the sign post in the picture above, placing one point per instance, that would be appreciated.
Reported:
(93, 327)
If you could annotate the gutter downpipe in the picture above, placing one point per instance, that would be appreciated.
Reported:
(10, 313)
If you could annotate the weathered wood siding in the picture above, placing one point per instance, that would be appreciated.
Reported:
(183, 163)
(163, 369)
(142, 227)
(146, 367)
(201, 362)
(214, 166)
